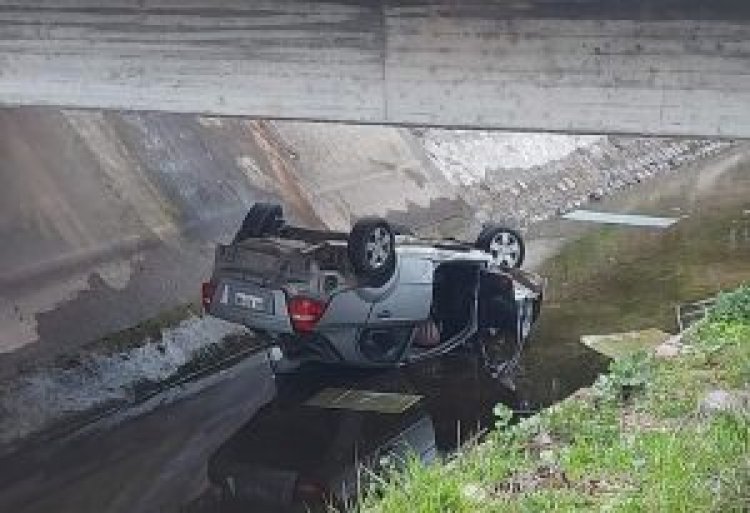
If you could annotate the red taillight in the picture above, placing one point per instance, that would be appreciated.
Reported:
(305, 313)
(207, 294)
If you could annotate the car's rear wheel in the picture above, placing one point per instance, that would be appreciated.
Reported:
(372, 251)
(262, 220)
(505, 245)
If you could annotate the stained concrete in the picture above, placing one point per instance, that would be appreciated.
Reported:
(678, 67)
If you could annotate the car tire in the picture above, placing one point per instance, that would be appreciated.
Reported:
(372, 251)
(504, 244)
(262, 220)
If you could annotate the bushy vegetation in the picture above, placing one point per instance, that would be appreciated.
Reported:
(637, 441)
(732, 307)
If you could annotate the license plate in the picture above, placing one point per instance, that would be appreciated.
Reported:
(255, 300)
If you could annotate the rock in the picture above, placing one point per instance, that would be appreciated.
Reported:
(671, 348)
(584, 394)
(667, 351)
(474, 493)
(548, 456)
(542, 440)
(729, 401)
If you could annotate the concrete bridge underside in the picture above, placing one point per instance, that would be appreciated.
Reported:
(668, 67)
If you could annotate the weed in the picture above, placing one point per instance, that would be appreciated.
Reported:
(732, 307)
(626, 376)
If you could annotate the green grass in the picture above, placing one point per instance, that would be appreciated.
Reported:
(635, 442)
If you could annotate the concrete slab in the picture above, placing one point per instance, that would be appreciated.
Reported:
(619, 345)
(622, 219)
(363, 400)
(647, 67)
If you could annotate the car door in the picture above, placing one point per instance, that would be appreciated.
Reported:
(394, 315)
(410, 299)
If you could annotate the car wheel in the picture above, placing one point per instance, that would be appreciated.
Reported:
(372, 251)
(262, 220)
(505, 245)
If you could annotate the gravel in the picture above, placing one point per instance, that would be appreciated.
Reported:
(525, 178)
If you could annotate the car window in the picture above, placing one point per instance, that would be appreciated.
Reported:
(384, 345)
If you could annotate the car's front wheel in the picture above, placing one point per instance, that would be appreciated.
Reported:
(505, 245)
(372, 251)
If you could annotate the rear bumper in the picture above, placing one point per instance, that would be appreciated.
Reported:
(310, 347)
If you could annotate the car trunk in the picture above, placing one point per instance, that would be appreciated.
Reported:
(252, 279)
(267, 262)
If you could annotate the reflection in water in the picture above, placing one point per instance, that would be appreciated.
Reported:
(293, 455)
(614, 278)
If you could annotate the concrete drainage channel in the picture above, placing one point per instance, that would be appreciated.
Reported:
(152, 173)
(173, 455)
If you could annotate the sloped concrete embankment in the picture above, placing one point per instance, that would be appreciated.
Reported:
(109, 219)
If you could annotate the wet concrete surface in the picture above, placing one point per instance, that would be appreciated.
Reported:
(264, 447)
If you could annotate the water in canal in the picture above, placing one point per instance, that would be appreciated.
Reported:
(602, 278)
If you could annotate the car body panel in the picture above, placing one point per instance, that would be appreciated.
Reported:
(409, 301)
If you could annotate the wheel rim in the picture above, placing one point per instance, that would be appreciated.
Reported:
(378, 248)
(505, 249)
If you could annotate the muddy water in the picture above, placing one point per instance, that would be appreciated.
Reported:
(613, 278)
(603, 279)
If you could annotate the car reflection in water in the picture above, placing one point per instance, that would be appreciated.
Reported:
(328, 429)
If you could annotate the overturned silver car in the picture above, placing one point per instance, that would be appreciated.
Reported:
(374, 297)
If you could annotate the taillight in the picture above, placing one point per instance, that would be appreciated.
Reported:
(305, 313)
(208, 289)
